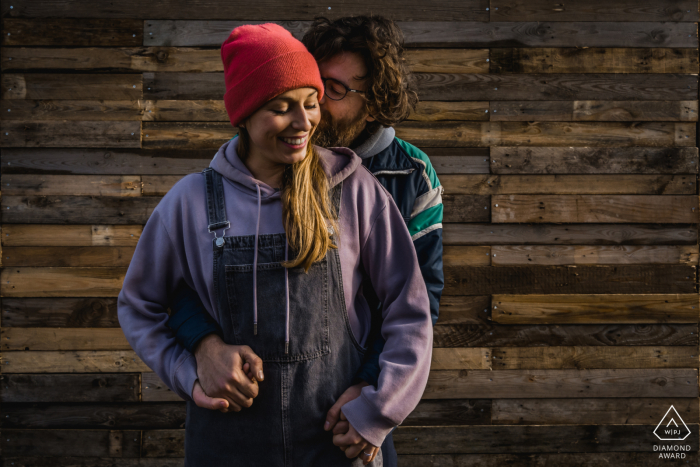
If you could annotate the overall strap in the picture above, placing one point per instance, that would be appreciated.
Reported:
(216, 208)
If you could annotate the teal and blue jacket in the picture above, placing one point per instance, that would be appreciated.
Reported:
(409, 177)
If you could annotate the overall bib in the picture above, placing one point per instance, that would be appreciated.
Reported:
(303, 377)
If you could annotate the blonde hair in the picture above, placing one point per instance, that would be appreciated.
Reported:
(307, 211)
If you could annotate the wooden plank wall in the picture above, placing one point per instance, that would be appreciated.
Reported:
(565, 136)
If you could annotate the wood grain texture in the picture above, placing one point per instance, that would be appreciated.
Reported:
(594, 208)
(575, 309)
(14, 338)
(61, 282)
(519, 255)
(86, 32)
(70, 134)
(77, 209)
(81, 443)
(74, 110)
(82, 256)
(572, 160)
(579, 459)
(59, 312)
(126, 86)
(25, 388)
(84, 361)
(581, 111)
(71, 185)
(70, 235)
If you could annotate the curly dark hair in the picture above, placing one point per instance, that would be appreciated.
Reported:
(391, 95)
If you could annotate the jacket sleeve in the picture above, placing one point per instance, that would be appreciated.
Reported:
(155, 272)
(189, 320)
(390, 260)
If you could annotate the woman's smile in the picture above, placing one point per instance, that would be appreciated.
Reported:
(296, 142)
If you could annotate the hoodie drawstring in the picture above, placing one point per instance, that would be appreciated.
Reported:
(255, 269)
(286, 293)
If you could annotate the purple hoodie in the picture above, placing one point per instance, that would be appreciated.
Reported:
(175, 247)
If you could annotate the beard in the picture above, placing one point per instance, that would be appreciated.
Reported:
(335, 133)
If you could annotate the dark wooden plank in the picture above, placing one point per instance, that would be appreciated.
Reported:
(570, 234)
(191, 86)
(405, 10)
(60, 312)
(40, 338)
(521, 439)
(83, 388)
(596, 10)
(186, 135)
(71, 86)
(669, 209)
(74, 361)
(504, 335)
(61, 282)
(637, 459)
(551, 255)
(450, 412)
(615, 134)
(573, 160)
(72, 185)
(163, 443)
(549, 87)
(136, 416)
(630, 411)
(82, 443)
(466, 208)
(74, 110)
(106, 161)
(474, 280)
(86, 32)
(77, 209)
(70, 235)
(591, 60)
(621, 111)
(84, 134)
(538, 384)
(61, 256)
(465, 309)
(55, 461)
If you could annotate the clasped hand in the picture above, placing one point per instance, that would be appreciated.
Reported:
(228, 380)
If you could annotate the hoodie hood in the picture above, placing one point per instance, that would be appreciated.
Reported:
(376, 143)
(338, 164)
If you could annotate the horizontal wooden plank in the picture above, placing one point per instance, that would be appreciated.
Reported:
(450, 161)
(591, 60)
(578, 459)
(14, 338)
(474, 358)
(61, 282)
(83, 388)
(597, 10)
(153, 389)
(532, 87)
(84, 134)
(86, 32)
(81, 443)
(465, 310)
(594, 208)
(593, 111)
(158, 185)
(570, 234)
(74, 110)
(573, 309)
(469, 134)
(569, 184)
(60, 312)
(539, 335)
(77, 256)
(210, 110)
(121, 162)
(411, 10)
(450, 60)
(434, 111)
(71, 185)
(70, 235)
(537, 384)
(556, 358)
(63, 361)
(465, 208)
(186, 135)
(553, 160)
(95, 416)
(450, 412)
(624, 279)
(56, 461)
(521, 439)
(466, 256)
(123, 86)
(631, 411)
(77, 209)
(519, 255)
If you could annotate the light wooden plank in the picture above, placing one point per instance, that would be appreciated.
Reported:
(65, 361)
(569, 184)
(53, 256)
(580, 111)
(466, 256)
(186, 135)
(461, 359)
(70, 235)
(538, 384)
(512, 255)
(448, 60)
(71, 185)
(594, 208)
(61, 282)
(588, 308)
(573, 160)
(205, 110)
(63, 339)
(434, 111)
(158, 185)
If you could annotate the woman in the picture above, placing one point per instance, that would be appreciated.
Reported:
(276, 237)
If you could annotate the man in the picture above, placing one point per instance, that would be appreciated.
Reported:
(368, 90)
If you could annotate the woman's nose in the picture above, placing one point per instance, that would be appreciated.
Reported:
(302, 122)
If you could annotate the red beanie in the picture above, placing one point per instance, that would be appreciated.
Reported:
(261, 62)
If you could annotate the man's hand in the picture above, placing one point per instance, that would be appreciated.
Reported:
(352, 443)
(336, 421)
(228, 375)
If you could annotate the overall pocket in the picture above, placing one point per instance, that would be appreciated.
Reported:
(308, 310)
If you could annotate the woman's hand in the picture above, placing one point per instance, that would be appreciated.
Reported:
(226, 375)
(352, 443)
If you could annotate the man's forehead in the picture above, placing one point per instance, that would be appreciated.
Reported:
(345, 66)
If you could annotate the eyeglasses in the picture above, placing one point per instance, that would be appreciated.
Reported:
(335, 90)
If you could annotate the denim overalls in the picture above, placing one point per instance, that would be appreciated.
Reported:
(284, 426)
